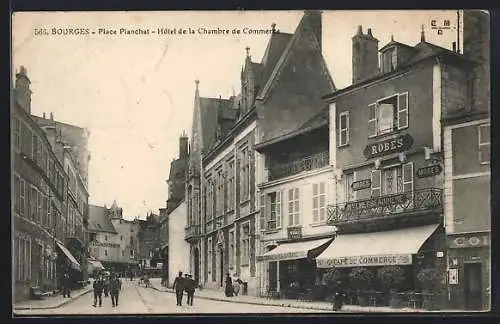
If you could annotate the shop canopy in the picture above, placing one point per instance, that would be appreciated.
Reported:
(74, 264)
(394, 247)
(293, 251)
(94, 265)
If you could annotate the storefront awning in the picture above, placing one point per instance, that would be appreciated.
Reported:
(375, 249)
(95, 265)
(74, 264)
(293, 251)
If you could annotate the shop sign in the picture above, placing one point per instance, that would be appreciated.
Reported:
(294, 233)
(365, 261)
(395, 145)
(105, 244)
(284, 256)
(468, 241)
(361, 184)
(429, 171)
(379, 202)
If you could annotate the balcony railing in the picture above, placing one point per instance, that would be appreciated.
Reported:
(281, 170)
(429, 199)
(191, 232)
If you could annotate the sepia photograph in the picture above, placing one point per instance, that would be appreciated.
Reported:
(250, 162)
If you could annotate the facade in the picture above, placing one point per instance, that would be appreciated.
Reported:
(386, 147)
(104, 241)
(127, 231)
(294, 177)
(178, 248)
(164, 241)
(149, 241)
(39, 195)
(467, 178)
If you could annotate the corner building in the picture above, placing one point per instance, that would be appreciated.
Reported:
(386, 147)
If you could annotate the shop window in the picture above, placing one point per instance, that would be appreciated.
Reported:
(484, 144)
(293, 207)
(319, 202)
(344, 128)
(388, 115)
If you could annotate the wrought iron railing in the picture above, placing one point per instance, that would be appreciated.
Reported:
(281, 170)
(191, 231)
(428, 199)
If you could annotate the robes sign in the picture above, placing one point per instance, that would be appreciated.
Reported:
(389, 146)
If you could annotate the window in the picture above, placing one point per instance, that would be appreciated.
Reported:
(40, 208)
(231, 249)
(105, 237)
(39, 150)
(274, 214)
(393, 180)
(220, 193)
(44, 210)
(293, 207)
(16, 136)
(344, 128)
(121, 237)
(484, 144)
(26, 140)
(105, 252)
(33, 203)
(388, 115)
(209, 200)
(17, 189)
(245, 244)
(34, 146)
(319, 202)
(22, 252)
(209, 255)
(244, 174)
(231, 190)
(132, 255)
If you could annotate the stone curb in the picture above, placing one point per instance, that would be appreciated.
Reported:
(62, 303)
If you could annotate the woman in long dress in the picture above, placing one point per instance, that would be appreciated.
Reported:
(229, 286)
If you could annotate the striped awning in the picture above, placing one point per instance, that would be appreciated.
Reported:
(74, 263)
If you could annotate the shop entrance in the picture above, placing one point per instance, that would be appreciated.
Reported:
(273, 273)
(473, 280)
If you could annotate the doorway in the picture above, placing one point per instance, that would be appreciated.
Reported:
(473, 280)
(196, 265)
(221, 267)
(273, 276)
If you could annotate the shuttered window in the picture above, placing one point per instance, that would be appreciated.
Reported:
(376, 182)
(402, 117)
(344, 128)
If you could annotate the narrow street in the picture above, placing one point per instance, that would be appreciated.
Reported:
(139, 300)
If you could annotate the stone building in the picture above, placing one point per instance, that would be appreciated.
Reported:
(149, 241)
(38, 195)
(104, 241)
(467, 145)
(386, 149)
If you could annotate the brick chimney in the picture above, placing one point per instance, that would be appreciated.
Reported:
(22, 91)
(183, 146)
(364, 55)
(476, 46)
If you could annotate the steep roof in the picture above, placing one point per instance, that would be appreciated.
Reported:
(275, 48)
(99, 221)
(210, 110)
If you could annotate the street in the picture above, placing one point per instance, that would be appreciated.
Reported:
(139, 300)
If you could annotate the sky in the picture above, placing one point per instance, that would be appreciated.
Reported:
(135, 93)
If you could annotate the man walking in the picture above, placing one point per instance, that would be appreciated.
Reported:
(190, 288)
(66, 284)
(98, 288)
(179, 286)
(115, 285)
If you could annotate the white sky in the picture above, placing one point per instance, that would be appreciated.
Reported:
(135, 93)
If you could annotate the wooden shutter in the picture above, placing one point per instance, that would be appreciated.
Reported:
(344, 128)
(263, 218)
(372, 120)
(376, 182)
(403, 115)
(408, 177)
(297, 206)
(278, 209)
(290, 207)
(315, 202)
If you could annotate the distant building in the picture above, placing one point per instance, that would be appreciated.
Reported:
(178, 248)
(149, 241)
(104, 241)
(163, 224)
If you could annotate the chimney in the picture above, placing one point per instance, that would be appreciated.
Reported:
(183, 146)
(43, 115)
(22, 91)
(364, 55)
(51, 116)
(315, 23)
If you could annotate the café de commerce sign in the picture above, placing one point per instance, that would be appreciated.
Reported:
(365, 261)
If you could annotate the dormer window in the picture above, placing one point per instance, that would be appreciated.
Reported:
(389, 60)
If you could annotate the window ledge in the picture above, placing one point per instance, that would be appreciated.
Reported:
(318, 224)
(272, 231)
(244, 201)
(244, 265)
(343, 145)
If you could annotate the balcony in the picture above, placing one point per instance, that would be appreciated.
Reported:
(281, 170)
(395, 206)
(191, 233)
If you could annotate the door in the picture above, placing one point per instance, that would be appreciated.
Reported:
(36, 264)
(196, 265)
(273, 276)
(473, 281)
(221, 267)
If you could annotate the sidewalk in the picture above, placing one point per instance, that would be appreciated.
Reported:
(53, 301)
(315, 305)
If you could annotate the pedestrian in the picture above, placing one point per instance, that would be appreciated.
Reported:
(229, 286)
(66, 284)
(338, 299)
(191, 286)
(98, 288)
(131, 275)
(237, 283)
(179, 285)
(106, 285)
(115, 286)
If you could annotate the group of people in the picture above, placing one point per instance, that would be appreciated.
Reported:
(184, 284)
(232, 287)
(109, 284)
